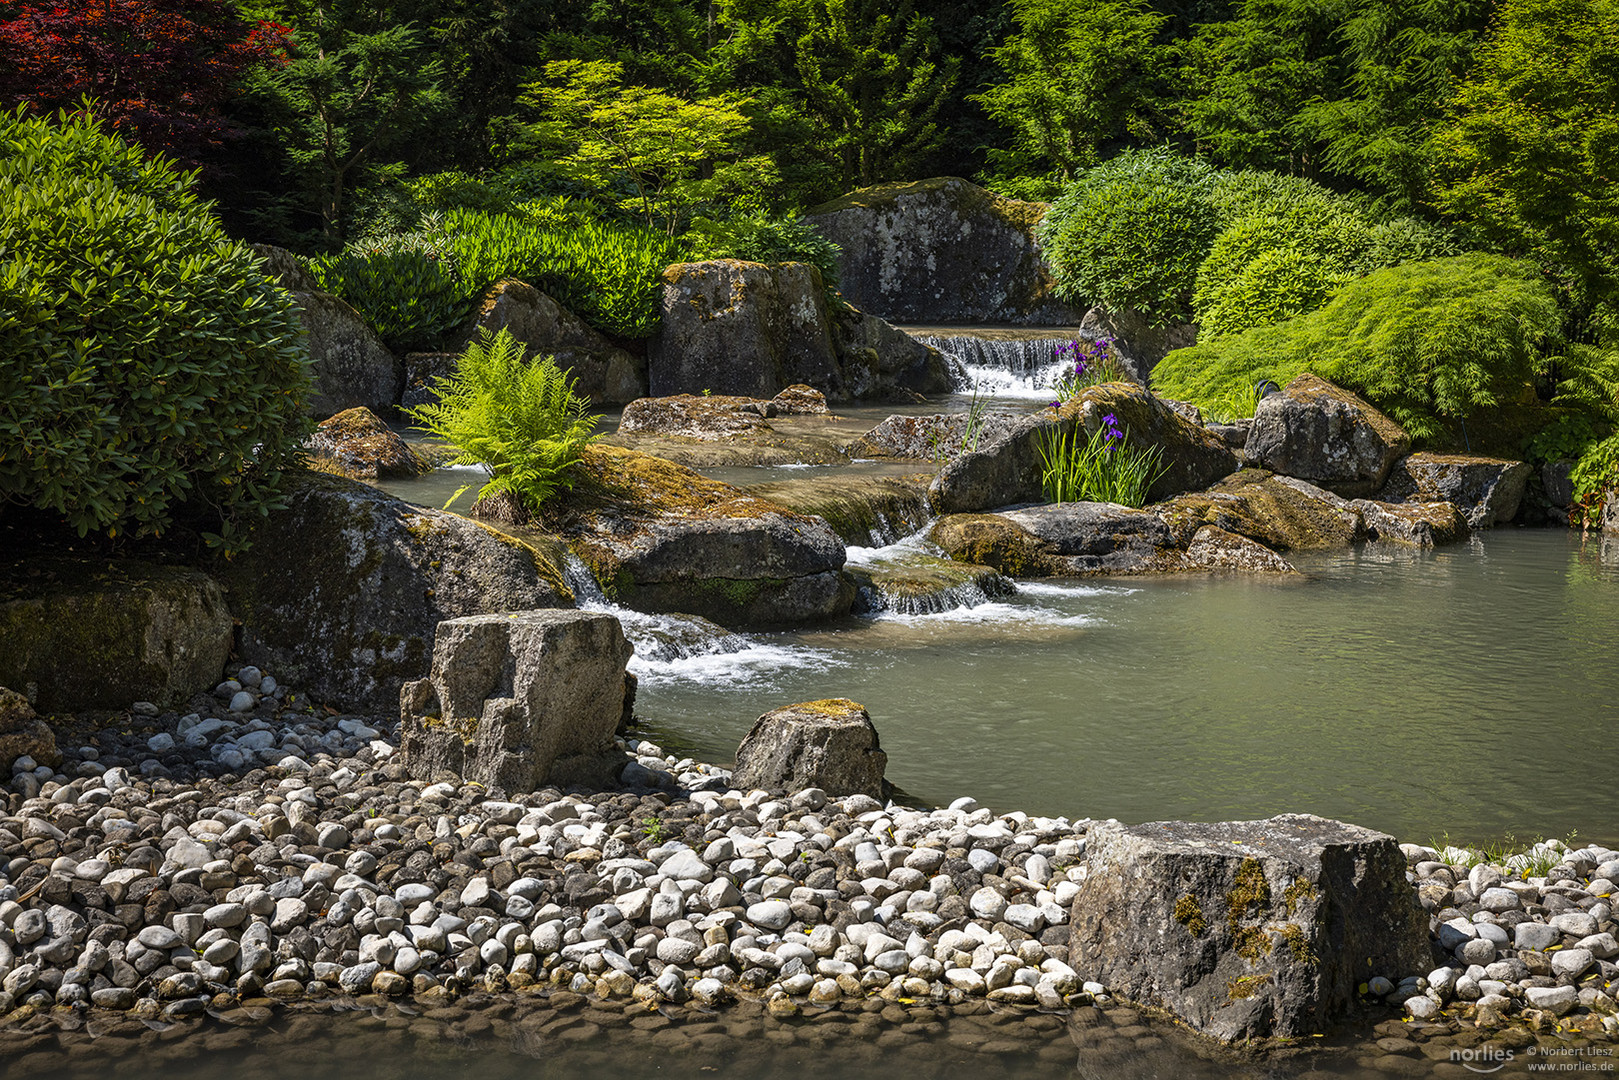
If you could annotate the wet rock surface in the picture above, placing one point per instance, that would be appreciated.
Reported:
(1326, 435)
(357, 444)
(1488, 491)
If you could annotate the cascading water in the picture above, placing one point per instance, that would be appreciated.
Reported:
(884, 563)
(1009, 362)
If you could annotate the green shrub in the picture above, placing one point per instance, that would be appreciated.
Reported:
(408, 287)
(1422, 340)
(521, 420)
(148, 367)
(1130, 234)
(1594, 475)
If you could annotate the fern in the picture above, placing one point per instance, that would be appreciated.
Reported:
(521, 421)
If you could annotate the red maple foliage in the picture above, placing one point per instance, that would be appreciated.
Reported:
(155, 70)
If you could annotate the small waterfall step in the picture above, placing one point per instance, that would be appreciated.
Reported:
(914, 582)
(657, 638)
(1008, 361)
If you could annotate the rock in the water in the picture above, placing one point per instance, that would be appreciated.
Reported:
(1487, 490)
(1318, 432)
(350, 364)
(1423, 524)
(510, 694)
(342, 591)
(22, 734)
(882, 363)
(1006, 468)
(941, 251)
(1279, 512)
(423, 370)
(100, 634)
(717, 417)
(917, 583)
(831, 745)
(1138, 344)
(1212, 548)
(604, 372)
(869, 511)
(661, 537)
(1245, 929)
(361, 447)
(944, 437)
(1092, 537)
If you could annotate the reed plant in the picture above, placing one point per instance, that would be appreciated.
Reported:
(521, 420)
(1099, 466)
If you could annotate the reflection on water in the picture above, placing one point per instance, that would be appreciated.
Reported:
(1466, 690)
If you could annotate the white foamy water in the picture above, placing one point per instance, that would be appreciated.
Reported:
(1055, 590)
(999, 612)
(1033, 385)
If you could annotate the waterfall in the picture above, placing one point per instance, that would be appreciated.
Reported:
(1008, 362)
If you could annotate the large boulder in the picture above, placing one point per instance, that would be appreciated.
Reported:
(1277, 511)
(350, 364)
(1006, 466)
(831, 745)
(1138, 343)
(288, 269)
(1246, 929)
(1215, 550)
(1421, 524)
(1094, 537)
(510, 694)
(357, 444)
(1322, 433)
(101, 634)
(942, 251)
(1488, 491)
(23, 734)
(661, 537)
(605, 372)
(743, 328)
(882, 363)
(342, 591)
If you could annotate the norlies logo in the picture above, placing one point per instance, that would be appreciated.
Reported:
(1482, 1059)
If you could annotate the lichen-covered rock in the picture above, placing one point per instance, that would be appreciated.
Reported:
(349, 363)
(509, 694)
(831, 745)
(799, 400)
(717, 417)
(1212, 548)
(919, 583)
(1137, 343)
(1423, 524)
(605, 372)
(356, 444)
(23, 734)
(1488, 491)
(994, 541)
(99, 634)
(1279, 512)
(868, 511)
(1322, 433)
(743, 328)
(661, 537)
(884, 364)
(288, 270)
(1006, 467)
(1246, 929)
(341, 592)
(1097, 538)
(941, 251)
(943, 437)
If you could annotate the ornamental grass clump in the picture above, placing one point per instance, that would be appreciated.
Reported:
(1086, 364)
(1101, 467)
(520, 420)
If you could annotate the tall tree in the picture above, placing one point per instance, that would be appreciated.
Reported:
(156, 71)
(874, 78)
(1078, 76)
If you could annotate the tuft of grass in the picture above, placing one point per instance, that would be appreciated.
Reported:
(1101, 467)
(1527, 860)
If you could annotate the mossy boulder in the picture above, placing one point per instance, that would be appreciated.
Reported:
(1488, 491)
(1324, 434)
(830, 744)
(357, 444)
(942, 250)
(1422, 524)
(342, 591)
(868, 511)
(995, 541)
(604, 372)
(23, 734)
(919, 583)
(101, 634)
(1279, 512)
(1061, 539)
(1006, 467)
(350, 364)
(661, 537)
(1214, 549)
(1246, 929)
(718, 417)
